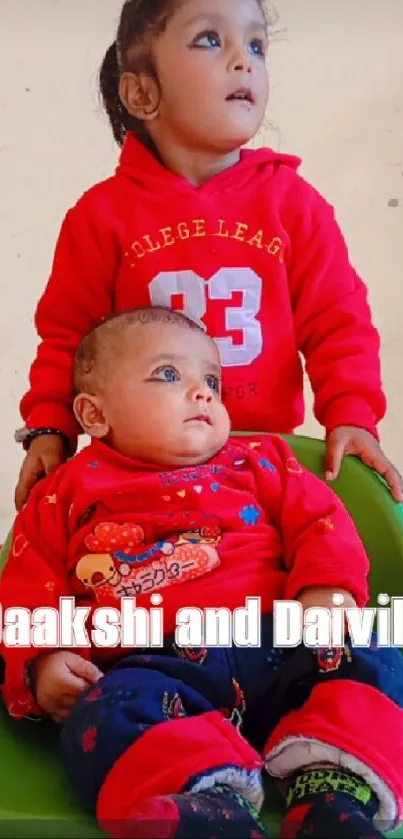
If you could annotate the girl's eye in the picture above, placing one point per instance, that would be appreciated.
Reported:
(213, 383)
(166, 374)
(257, 47)
(207, 39)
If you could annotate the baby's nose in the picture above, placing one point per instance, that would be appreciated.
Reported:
(201, 392)
(205, 395)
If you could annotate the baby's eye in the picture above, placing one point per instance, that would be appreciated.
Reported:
(207, 39)
(257, 47)
(213, 383)
(166, 374)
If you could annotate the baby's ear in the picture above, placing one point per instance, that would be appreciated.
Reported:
(89, 415)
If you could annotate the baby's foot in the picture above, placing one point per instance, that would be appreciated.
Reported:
(218, 813)
(323, 820)
(324, 804)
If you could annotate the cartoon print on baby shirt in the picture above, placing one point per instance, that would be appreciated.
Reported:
(121, 564)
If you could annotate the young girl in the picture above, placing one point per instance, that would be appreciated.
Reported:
(234, 238)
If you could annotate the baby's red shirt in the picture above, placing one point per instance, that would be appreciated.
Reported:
(252, 522)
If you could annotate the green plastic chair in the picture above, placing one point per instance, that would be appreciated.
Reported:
(36, 799)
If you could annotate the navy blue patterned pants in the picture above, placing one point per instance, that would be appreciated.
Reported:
(156, 723)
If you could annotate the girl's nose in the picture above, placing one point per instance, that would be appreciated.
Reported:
(241, 60)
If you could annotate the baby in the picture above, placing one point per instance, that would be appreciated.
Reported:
(173, 741)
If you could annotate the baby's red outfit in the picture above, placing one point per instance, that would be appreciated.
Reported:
(249, 523)
(254, 253)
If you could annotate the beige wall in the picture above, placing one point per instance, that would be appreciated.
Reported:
(337, 101)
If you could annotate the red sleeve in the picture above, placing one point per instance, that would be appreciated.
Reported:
(34, 577)
(77, 296)
(333, 321)
(321, 543)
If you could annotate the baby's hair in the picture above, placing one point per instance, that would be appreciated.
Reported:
(140, 22)
(104, 340)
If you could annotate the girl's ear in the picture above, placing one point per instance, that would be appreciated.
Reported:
(140, 95)
(89, 414)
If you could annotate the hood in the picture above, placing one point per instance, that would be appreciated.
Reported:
(140, 165)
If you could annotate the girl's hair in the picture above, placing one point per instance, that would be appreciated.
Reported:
(140, 21)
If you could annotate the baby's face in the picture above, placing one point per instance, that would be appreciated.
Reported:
(162, 399)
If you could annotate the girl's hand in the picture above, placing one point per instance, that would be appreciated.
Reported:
(44, 455)
(348, 440)
(59, 679)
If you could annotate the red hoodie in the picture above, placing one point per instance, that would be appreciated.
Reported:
(255, 253)
(251, 522)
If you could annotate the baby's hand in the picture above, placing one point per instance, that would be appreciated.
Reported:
(44, 455)
(59, 679)
(356, 441)
(322, 596)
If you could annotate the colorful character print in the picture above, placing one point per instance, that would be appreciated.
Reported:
(121, 564)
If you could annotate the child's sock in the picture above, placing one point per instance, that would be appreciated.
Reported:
(328, 803)
(217, 813)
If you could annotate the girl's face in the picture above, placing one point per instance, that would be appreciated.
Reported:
(210, 64)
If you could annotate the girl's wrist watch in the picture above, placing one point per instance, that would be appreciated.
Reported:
(26, 435)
